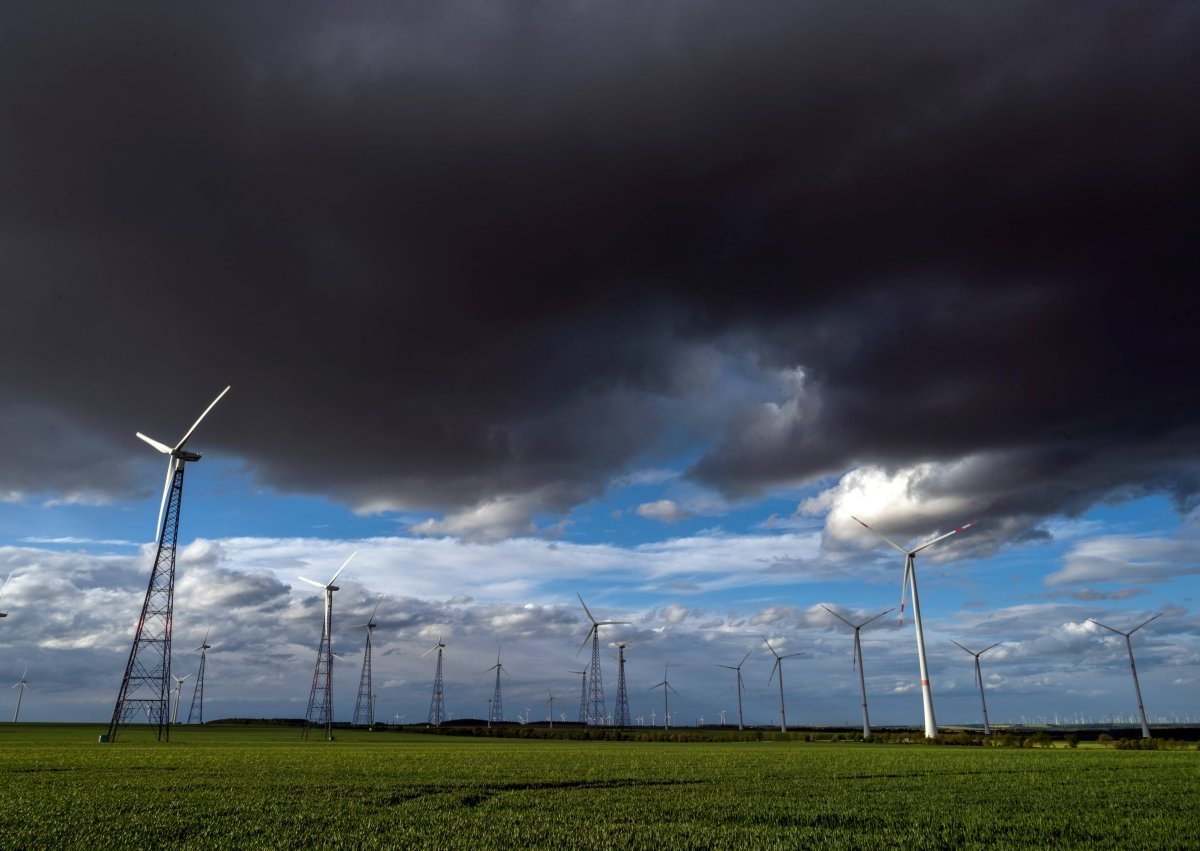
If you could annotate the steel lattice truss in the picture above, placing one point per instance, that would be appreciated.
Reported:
(146, 686)
(364, 707)
(595, 700)
(320, 698)
(437, 703)
(197, 710)
(621, 713)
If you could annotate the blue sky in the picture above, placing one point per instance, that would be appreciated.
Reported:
(636, 302)
(700, 590)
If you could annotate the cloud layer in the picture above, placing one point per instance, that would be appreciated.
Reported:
(480, 261)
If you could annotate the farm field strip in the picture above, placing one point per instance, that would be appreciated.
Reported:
(263, 787)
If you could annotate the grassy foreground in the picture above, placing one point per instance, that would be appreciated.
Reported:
(262, 787)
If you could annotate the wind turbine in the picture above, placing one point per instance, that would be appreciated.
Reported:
(666, 686)
(595, 700)
(320, 697)
(20, 684)
(496, 708)
(987, 729)
(910, 579)
(582, 694)
(858, 662)
(496, 712)
(740, 686)
(551, 702)
(622, 710)
(2, 587)
(147, 680)
(1133, 668)
(364, 707)
(437, 703)
(197, 708)
(178, 696)
(778, 666)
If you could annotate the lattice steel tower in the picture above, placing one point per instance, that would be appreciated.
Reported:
(497, 706)
(437, 703)
(582, 694)
(320, 697)
(146, 685)
(197, 710)
(595, 709)
(364, 707)
(621, 714)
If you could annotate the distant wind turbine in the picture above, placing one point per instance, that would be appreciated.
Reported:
(21, 685)
(320, 698)
(666, 686)
(1133, 668)
(987, 729)
(740, 687)
(778, 666)
(596, 710)
(910, 579)
(858, 663)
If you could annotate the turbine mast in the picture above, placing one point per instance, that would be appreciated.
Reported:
(146, 685)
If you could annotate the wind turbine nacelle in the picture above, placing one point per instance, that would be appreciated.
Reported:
(184, 455)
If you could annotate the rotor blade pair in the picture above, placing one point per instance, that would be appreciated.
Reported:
(335, 576)
(173, 463)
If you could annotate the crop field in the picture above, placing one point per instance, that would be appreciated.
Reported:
(262, 787)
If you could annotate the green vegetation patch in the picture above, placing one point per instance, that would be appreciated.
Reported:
(263, 787)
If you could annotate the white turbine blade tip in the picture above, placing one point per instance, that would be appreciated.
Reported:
(211, 405)
(161, 447)
(311, 582)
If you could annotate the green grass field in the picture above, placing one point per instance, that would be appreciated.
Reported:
(262, 787)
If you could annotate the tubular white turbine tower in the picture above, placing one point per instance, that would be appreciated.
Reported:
(740, 688)
(2, 587)
(1133, 668)
(666, 686)
(987, 729)
(178, 696)
(858, 662)
(147, 680)
(21, 685)
(321, 695)
(595, 701)
(910, 579)
(778, 666)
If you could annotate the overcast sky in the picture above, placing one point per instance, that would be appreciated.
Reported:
(635, 300)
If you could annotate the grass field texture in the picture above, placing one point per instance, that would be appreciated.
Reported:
(262, 787)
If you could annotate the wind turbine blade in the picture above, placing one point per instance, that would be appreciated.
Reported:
(374, 610)
(774, 668)
(836, 615)
(961, 647)
(311, 582)
(611, 623)
(989, 647)
(671, 687)
(879, 535)
(5, 585)
(953, 531)
(877, 617)
(162, 505)
(730, 667)
(1139, 626)
(161, 447)
(431, 649)
(183, 440)
(854, 654)
(1106, 626)
(790, 656)
(744, 658)
(904, 587)
(585, 608)
(769, 647)
(585, 640)
(343, 567)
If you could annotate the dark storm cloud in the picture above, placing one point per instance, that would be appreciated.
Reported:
(458, 253)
